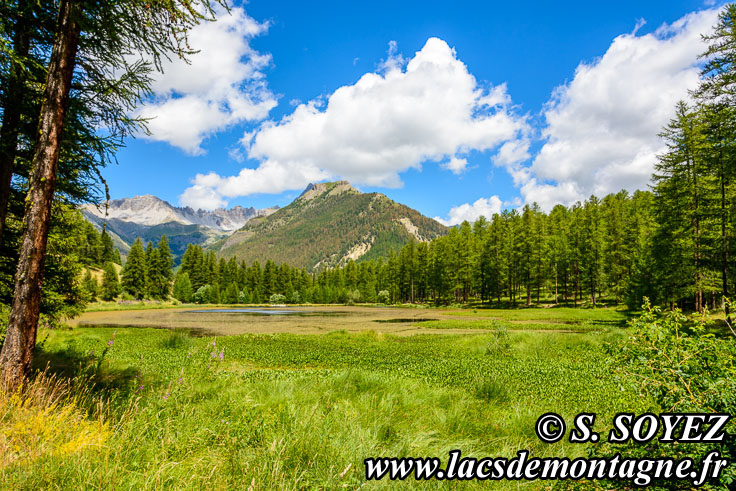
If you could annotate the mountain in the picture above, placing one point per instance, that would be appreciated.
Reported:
(327, 225)
(150, 210)
(150, 217)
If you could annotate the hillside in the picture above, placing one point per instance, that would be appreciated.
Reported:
(149, 217)
(328, 224)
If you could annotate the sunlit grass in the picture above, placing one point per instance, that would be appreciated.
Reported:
(294, 411)
(45, 419)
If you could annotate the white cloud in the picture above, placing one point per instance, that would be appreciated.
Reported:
(455, 165)
(602, 128)
(387, 122)
(601, 131)
(512, 153)
(222, 86)
(486, 207)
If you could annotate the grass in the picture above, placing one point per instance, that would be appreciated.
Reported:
(291, 411)
(103, 306)
(563, 319)
(46, 419)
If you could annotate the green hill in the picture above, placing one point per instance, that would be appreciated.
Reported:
(327, 225)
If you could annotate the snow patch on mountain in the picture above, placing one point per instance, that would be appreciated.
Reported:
(150, 210)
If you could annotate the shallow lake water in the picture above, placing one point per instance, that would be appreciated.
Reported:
(262, 312)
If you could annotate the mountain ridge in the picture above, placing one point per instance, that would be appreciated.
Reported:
(150, 217)
(150, 210)
(327, 225)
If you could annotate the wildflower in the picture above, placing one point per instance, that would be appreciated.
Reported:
(111, 342)
(222, 354)
(213, 354)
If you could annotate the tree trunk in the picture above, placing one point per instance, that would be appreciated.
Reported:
(17, 350)
(696, 232)
(12, 108)
(724, 239)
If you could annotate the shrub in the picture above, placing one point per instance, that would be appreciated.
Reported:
(676, 362)
(277, 298)
(353, 297)
(384, 297)
(203, 294)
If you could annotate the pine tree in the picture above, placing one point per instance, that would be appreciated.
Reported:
(92, 253)
(681, 184)
(231, 294)
(592, 248)
(134, 271)
(159, 274)
(183, 288)
(108, 247)
(110, 283)
(91, 287)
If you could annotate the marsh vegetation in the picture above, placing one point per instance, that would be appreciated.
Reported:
(291, 410)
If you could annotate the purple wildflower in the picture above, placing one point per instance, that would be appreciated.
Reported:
(111, 342)
(222, 354)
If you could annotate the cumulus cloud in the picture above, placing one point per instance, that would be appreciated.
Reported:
(223, 85)
(455, 165)
(429, 108)
(601, 131)
(486, 207)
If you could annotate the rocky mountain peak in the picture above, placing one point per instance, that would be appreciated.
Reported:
(150, 210)
(326, 188)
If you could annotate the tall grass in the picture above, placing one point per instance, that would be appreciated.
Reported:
(46, 418)
(302, 412)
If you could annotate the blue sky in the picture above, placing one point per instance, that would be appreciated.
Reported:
(454, 108)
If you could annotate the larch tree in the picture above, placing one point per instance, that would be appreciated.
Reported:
(20, 339)
(109, 31)
(716, 96)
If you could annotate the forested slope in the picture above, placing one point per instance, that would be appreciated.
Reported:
(329, 224)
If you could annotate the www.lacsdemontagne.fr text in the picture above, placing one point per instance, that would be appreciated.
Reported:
(639, 471)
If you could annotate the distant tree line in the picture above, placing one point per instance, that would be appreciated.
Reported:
(618, 249)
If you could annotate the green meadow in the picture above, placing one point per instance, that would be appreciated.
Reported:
(159, 408)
